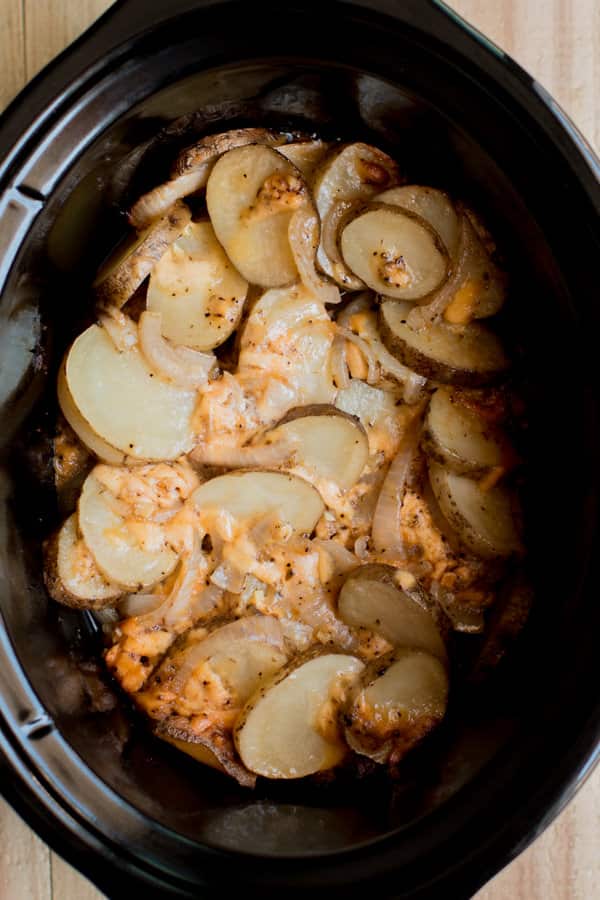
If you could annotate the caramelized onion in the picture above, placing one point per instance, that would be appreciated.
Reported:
(159, 200)
(183, 366)
(386, 532)
(366, 350)
(339, 366)
(120, 328)
(303, 232)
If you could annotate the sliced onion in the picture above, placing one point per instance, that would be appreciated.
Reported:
(386, 532)
(120, 328)
(303, 233)
(140, 604)
(183, 366)
(361, 303)
(265, 629)
(343, 559)
(462, 618)
(339, 366)
(330, 227)
(361, 547)
(156, 202)
(366, 350)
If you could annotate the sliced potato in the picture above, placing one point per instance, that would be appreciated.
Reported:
(197, 290)
(432, 205)
(398, 708)
(351, 173)
(328, 443)
(305, 155)
(486, 522)
(372, 598)
(81, 428)
(394, 252)
(251, 195)
(135, 257)
(124, 403)
(131, 553)
(71, 574)
(255, 494)
(192, 168)
(289, 728)
(460, 439)
(468, 355)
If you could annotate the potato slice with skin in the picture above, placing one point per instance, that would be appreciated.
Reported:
(350, 173)
(460, 439)
(486, 522)
(251, 195)
(81, 428)
(372, 598)
(467, 356)
(305, 155)
(216, 751)
(404, 698)
(126, 404)
(115, 542)
(254, 494)
(122, 273)
(70, 572)
(432, 205)
(191, 170)
(394, 252)
(289, 728)
(197, 290)
(328, 443)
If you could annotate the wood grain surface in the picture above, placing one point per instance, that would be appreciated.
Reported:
(559, 42)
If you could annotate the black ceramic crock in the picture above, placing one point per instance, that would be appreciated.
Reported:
(100, 125)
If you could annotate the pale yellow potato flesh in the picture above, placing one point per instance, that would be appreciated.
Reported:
(126, 404)
(81, 428)
(456, 437)
(485, 521)
(394, 253)
(72, 575)
(371, 599)
(250, 495)
(116, 544)
(329, 446)
(289, 729)
(197, 290)
(432, 205)
(305, 155)
(251, 195)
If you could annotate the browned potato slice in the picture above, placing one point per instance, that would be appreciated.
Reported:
(460, 439)
(214, 750)
(251, 195)
(135, 257)
(79, 425)
(305, 155)
(372, 598)
(327, 442)
(394, 252)
(192, 168)
(351, 173)
(468, 355)
(485, 521)
(432, 205)
(396, 709)
(247, 496)
(289, 728)
(123, 402)
(197, 290)
(71, 574)
(125, 553)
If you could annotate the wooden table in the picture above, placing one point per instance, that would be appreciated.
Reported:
(559, 42)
